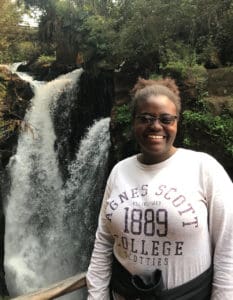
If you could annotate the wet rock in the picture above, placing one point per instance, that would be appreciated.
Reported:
(15, 95)
(15, 98)
(46, 71)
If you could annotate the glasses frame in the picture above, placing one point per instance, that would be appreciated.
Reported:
(149, 119)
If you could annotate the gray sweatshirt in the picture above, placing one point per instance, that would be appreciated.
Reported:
(176, 216)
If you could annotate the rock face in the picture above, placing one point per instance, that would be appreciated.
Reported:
(46, 71)
(14, 100)
(15, 97)
(220, 103)
(220, 90)
(220, 81)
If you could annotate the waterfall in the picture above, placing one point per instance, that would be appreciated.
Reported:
(50, 223)
(83, 192)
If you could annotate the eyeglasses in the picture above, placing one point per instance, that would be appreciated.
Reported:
(164, 119)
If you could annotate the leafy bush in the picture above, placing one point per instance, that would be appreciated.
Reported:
(123, 115)
(45, 59)
(26, 51)
(205, 132)
(124, 144)
(182, 70)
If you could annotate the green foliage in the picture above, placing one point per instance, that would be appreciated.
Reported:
(194, 78)
(147, 34)
(210, 53)
(178, 52)
(45, 59)
(7, 128)
(124, 145)
(123, 115)
(13, 35)
(184, 65)
(178, 69)
(2, 89)
(9, 31)
(100, 38)
(206, 132)
(155, 76)
(26, 50)
(123, 121)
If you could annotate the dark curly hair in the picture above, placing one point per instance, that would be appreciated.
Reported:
(145, 88)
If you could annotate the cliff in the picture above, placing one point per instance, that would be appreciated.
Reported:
(15, 95)
(14, 100)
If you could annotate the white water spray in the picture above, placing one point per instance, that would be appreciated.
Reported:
(83, 193)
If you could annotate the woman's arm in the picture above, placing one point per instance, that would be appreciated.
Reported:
(220, 194)
(99, 271)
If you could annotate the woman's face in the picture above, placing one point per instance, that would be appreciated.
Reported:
(155, 137)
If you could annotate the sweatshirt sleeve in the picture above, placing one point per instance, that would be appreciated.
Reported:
(220, 199)
(99, 271)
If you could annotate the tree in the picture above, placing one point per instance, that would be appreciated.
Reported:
(147, 33)
(13, 34)
(9, 29)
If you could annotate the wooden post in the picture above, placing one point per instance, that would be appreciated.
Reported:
(56, 290)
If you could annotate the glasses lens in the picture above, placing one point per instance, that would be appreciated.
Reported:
(145, 119)
(167, 119)
(163, 119)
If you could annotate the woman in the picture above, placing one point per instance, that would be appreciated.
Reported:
(165, 227)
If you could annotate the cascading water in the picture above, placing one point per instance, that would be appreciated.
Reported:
(50, 224)
(83, 192)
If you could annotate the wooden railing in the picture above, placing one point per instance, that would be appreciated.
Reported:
(56, 290)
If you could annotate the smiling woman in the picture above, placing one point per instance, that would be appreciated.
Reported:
(155, 138)
(166, 216)
(155, 113)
